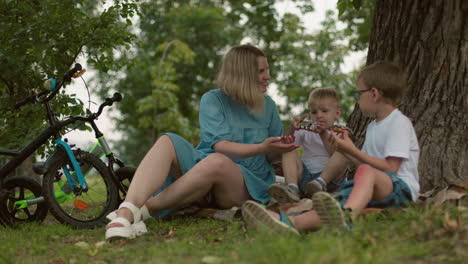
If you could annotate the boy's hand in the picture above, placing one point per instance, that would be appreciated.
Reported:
(297, 120)
(342, 142)
(294, 125)
(341, 129)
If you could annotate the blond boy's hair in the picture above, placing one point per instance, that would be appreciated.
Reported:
(319, 94)
(238, 77)
(385, 77)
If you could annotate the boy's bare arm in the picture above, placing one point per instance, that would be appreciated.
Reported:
(352, 159)
(391, 164)
(347, 147)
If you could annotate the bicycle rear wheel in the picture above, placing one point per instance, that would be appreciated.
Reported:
(21, 201)
(80, 208)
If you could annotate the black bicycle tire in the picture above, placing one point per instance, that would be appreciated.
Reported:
(55, 207)
(35, 187)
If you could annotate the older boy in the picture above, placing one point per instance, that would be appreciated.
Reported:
(387, 173)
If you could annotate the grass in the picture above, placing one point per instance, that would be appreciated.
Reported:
(421, 234)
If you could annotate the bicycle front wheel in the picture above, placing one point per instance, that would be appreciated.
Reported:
(80, 208)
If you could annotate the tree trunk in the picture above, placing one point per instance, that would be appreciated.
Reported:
(429, 41)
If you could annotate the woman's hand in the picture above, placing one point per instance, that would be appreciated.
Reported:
(279, 145)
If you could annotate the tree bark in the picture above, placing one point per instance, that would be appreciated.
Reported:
(429, 41)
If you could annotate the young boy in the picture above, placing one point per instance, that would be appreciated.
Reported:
(304, 177)
(387, 173)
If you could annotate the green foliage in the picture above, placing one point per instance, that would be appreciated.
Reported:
(358, 15)
(42, 39)
(163, 105)
(308, 61)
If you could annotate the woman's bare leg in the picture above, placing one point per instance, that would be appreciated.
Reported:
(309, 220)
(147, 180)
(215, 173)
(306, 221)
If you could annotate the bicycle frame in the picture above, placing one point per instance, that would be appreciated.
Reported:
(20, 156)
(101, 148)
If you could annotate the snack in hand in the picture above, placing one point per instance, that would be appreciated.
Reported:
(284, 139)
(340, 129)
(308, 125)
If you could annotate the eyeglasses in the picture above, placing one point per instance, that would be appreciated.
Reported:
(357, 93)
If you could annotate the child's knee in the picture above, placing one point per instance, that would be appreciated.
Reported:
(362, 171)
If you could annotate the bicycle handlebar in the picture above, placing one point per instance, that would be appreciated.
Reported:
(68, 75)
(117, 97)
(30, 99)
(35, 98)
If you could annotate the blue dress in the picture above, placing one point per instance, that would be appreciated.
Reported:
(223, 119)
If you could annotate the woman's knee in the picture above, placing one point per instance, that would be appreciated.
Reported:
(163, 140)
(217, 163)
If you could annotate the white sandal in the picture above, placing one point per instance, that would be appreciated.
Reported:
(139, 227)
(144, 213)
(128, 230)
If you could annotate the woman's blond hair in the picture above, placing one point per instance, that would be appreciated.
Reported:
(238, 77)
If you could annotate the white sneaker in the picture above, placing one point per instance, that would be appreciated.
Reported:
(284, 193)
(314, 187)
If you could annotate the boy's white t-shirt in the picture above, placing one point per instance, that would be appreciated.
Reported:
(395, 137)
(314, 156)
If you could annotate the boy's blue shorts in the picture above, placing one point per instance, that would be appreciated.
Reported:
(308, 176)
(399, 197)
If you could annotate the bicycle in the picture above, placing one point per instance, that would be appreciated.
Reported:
(78, 188)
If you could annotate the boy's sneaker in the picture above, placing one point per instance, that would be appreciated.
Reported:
(284, 193)
(315, 186)
(330, 212)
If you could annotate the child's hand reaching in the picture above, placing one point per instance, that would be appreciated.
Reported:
(297, 120)
(341, 142)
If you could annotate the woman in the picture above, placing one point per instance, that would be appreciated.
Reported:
(240, 134)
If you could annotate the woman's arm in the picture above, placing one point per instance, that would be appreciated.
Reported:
(271, 146)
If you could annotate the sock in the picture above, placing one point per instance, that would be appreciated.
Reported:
(322, 182)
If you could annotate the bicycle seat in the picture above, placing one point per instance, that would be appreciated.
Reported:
(8, 152)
